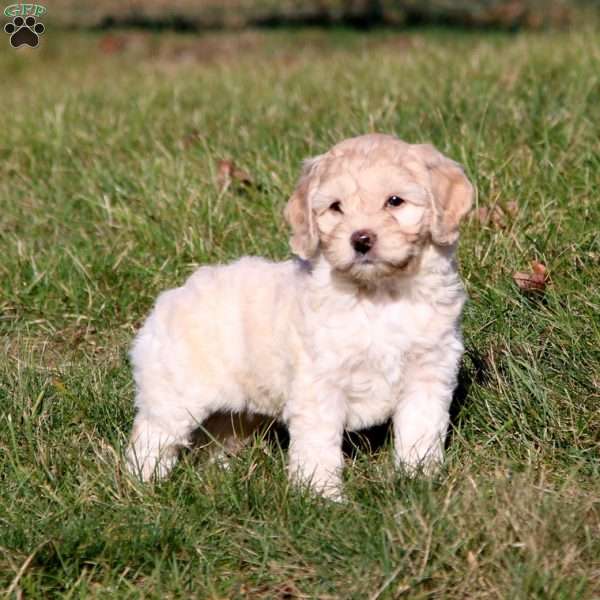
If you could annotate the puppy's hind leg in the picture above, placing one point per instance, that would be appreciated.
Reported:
(157, 438)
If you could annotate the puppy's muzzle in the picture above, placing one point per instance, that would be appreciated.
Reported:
(363, 240)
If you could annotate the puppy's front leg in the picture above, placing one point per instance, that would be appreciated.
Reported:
(315, 417)
(422, 414)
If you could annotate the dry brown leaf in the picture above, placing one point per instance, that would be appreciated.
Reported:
(497, 216)
(227, 172)
(112, 44)
(192, 138)
(512, 208)
(491, 216)
(534, 281)
(482, 214)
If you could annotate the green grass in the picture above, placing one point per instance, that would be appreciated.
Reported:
(108, 195)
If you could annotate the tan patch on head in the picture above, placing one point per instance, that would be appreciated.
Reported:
(299, 214)
(452, 194)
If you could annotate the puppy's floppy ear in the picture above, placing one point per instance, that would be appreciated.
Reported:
(452, 195)
(298, 213)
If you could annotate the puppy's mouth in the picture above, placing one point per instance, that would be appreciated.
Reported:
(364, 260)
(373, 260)
(369, 267)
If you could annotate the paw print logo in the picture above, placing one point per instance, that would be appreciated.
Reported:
(24, 31)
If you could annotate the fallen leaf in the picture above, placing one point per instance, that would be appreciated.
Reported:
(491, 216)
(227, 172)
(512, 208)
(472, 560)
(539, 268)
(482, 214)
(112, 44)
(534, 281)
(192, 138)
(496, 215)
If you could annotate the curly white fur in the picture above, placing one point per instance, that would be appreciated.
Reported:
(335, 340)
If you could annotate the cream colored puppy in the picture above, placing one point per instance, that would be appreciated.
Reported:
(364, 326)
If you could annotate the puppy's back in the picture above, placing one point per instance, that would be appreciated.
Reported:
(225, 329)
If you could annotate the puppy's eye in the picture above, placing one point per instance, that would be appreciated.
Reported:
(336, 206)
(394, 201)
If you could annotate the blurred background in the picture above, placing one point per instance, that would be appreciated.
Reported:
(192, 14)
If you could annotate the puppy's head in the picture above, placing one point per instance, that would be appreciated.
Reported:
(373, 202)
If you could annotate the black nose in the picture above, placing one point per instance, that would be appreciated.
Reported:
(363, 240)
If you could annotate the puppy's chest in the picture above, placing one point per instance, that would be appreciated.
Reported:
(371, 345)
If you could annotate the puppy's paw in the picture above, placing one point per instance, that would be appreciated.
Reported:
(327, 484)
(331, 491)
(427, 462)
(149, 466)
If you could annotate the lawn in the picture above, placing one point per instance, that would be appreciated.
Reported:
(109, 193)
